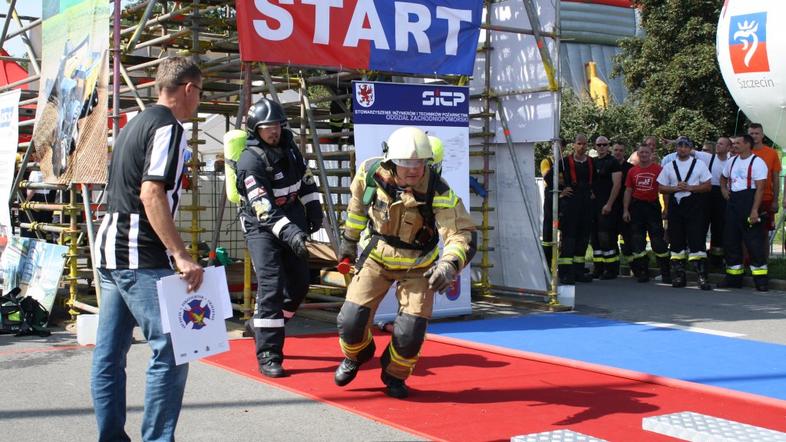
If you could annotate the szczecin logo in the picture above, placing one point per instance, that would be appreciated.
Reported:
(194, 311)
(748, 43)
(364, 92)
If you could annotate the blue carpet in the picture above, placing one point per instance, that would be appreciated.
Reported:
(737, 364)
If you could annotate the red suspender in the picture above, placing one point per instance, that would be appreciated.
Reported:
(572, 167)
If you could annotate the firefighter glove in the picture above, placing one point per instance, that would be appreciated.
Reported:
(348, 249)
(441, 275)
(298, 244)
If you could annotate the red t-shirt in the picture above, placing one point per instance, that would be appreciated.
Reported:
(644, 182)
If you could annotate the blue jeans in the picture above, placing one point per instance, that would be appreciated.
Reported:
(128, 298)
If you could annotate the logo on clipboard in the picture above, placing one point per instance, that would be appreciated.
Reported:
(194, 311)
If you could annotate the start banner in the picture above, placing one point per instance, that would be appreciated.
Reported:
(414, 36)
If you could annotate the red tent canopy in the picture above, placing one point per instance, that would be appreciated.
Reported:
(11, 71)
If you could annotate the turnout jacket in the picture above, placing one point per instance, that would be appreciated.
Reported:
(275, 185)
(396, 216)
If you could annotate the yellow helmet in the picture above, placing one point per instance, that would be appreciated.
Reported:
(407, 147)
(437, 148)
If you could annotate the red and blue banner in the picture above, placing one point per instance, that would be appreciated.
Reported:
(748, 43)
(414, 36)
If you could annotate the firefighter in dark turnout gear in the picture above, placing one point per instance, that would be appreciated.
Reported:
(742, 184)
(575, 203)
(685, 181)
(547, 228)
(281, 206)
(607, 209)
(389, 218)
(623, 228)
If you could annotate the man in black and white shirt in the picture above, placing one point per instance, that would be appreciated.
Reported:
(133, 247)
(682, 180)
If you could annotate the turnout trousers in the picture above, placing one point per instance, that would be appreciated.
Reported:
(645, 219)
(365, 292)
(605, 251)
(575, 227)
(739, 231)
(547, 234)
(715, 221)
(282, 284)
(686, 229)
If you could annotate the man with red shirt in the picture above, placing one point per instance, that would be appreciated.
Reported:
(772, 188)
(641, 208)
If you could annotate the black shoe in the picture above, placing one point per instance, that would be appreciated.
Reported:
(567, 279)
(346, 372)
(644, 276)
(396, 387)
(608, 274)
(730, 282)
(272, 369)
(584, 277)
(761, 283)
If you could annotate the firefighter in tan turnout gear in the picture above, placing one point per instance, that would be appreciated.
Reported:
(399, 209)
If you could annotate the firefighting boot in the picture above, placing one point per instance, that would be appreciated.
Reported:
(578, 273)
(641, 269)
(348, 369)
(396, 387)
(731, 282)
(611, 271)
(566, 274)
(678, 270)
(761, 282)
(716, 263)
(270, 366)
(701, 271)
(598, 268)
(665, 270)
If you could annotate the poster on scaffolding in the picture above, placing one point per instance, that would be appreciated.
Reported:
(71, 114)
(378, 109)
(9, 132)
(35, 267)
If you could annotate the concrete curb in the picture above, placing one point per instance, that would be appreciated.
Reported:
(715, 278)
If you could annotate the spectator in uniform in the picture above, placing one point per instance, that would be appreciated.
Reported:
(607, 181)
(716, 204)
(623, 228)
(683, 181)
(641, 208)
(575, 202)
(743, 183)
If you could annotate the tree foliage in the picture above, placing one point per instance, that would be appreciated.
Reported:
(672, 73)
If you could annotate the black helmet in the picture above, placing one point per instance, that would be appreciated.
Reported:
(264, 111)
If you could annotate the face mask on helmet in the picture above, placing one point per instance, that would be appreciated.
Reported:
(409, 163)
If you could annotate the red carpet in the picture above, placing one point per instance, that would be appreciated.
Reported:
(464, 394)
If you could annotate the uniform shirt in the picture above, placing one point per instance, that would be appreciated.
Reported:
(668, 177)
(716, 166)
(643, 181)
(624, 168)
(701, 155)
(770, 158)
(149, 148)
(738, 176)
(582, 182)
(601, 181)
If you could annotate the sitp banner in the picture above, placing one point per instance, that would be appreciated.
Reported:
(9, 134)
(441, 111)
(414, 36)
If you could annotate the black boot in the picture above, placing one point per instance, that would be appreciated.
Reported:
(579, 275)
(271, 367)
(612, 270)
(641, 269)
(716, 263)
(665, 270)
(346, 372)
(566, 274)
(598, 268)
(678, 270)
(396, 387)
(761, 282)
(701, 271)
(348, 369)
(731, 282)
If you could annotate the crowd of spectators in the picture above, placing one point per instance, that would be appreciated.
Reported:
(725, 193)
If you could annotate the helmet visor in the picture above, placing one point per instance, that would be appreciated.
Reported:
(409, 163)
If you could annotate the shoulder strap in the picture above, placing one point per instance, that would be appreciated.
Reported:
(676, 170)
(712, 161)
(750, 169)
(262, 155)
(690, 170)
(572, 167)
(731, 170)
(371, 183)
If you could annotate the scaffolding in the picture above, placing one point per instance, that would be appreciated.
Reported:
(318, 106)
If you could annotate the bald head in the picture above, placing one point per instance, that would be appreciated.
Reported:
(602, 146)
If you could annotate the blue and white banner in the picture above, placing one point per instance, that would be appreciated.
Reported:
(9, 132)
(378, 109)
